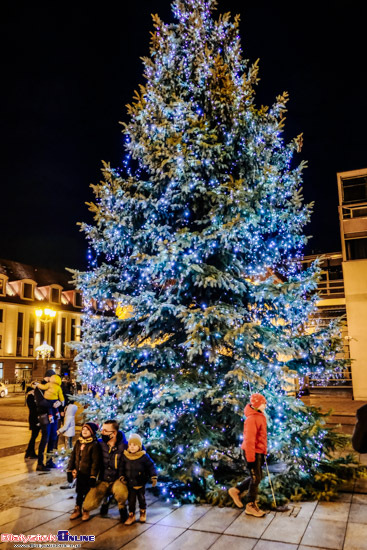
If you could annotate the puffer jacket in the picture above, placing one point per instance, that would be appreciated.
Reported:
(111, 458)
(254, 434)
(359, 437)
(137, 468)
(86, 457)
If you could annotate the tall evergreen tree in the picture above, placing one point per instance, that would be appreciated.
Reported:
(195, 296)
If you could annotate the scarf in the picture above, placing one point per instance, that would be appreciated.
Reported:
(133, 456)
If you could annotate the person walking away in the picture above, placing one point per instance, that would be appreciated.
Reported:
(137, 470)
(84, 465)
(254, 448)
(34, 425)
(48, 430)
(113, 443)
(359, 437)
(52, 393)
(68, 429)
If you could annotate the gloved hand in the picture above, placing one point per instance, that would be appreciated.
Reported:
(154, 481)
(92, 482)
(69, 477)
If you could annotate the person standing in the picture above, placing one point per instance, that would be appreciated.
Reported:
(34, 425)
(68, 429)
(137, 470)
(48, 430)
(254, 447)
(84, 465)
(113, 443)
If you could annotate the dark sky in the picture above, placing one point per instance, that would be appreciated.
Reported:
(69, 68)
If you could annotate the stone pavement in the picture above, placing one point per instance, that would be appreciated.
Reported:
(340, 525)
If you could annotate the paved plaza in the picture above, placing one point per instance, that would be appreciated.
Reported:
(340, 525)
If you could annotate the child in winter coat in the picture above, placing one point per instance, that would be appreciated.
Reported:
(68, 429)
(84, 465)
(53, 392)
(254, 447)
(137, 469)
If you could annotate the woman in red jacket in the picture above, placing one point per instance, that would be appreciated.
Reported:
(254, 447)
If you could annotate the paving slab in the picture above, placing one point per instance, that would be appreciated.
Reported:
(286, 529)
(185, 516)
(217, 520)
(306, 509)
(229, 541)
(359, 499)
(193, 539)
(335, 511)
(95, 527)
(51, 498)
(325, 534)
(248, 526)
(30, 521)
(116, 537)
(13, 514)
(66, 505)
(271, 545)
(158, 511)
(356, 537)
(358, 513)
(155, 538)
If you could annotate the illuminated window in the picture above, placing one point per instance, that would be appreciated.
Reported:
(2, 286)
(78, 301)
(1, 315)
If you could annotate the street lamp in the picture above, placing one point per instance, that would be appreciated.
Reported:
(45, 316)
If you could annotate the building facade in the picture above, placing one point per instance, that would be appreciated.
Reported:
(352, 189)
(36, 306)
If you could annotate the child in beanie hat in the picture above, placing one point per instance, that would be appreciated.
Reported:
(254, 448)
(84, 465)
(137, 468)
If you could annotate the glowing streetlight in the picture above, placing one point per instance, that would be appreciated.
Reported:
(45, 315)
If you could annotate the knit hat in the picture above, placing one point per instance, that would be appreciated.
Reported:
(256, 399)
(92, 427)
(49, 373)
(135, 439)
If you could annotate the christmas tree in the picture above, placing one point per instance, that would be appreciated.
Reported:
(195, 296)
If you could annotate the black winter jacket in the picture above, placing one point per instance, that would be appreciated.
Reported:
(111, 458)
(88, 461)
(359, 438)
(137, 471)
(33, 414)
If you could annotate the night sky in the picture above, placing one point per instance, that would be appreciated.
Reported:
(68, 70)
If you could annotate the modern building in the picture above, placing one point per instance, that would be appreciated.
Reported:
(36, 306)
(352, 189)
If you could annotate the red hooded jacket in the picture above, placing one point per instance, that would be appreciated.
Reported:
(254, 434)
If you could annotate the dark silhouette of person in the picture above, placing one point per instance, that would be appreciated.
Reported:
(34, 425)
(359, 437)
(49, 430)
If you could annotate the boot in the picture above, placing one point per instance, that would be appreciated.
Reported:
(131, 519)
(252, 509)
(104, 509)
(235, 496)
(85, 515)
(143, 516)
(76, 513)
(42, 468)
(123, 514)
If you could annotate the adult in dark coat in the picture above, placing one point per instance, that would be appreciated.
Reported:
(359, 438)
(112, 444)
(49, 431)
(34, 425)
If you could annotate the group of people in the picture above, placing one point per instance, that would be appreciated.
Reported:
(100, 468)
(114, 467)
